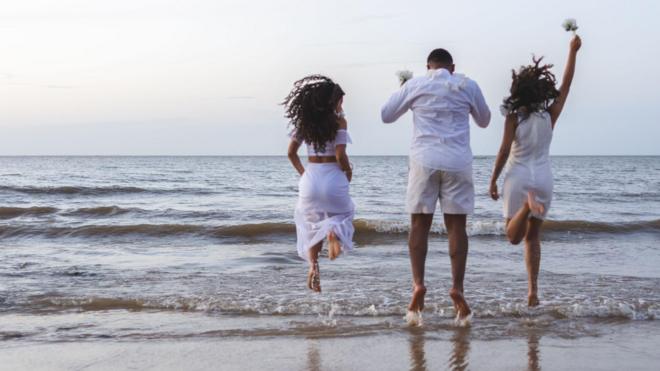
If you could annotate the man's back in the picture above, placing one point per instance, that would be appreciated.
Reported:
(441, 103)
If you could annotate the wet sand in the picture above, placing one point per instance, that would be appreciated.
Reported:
(632, 346)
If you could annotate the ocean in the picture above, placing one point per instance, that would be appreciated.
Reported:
(124, 250)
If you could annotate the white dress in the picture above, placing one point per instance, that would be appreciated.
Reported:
(324, 204)
(528, 167)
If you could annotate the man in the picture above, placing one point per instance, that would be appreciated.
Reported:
(440, 167)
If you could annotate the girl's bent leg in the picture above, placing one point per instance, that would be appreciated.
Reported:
(533, 259)
(516, 227)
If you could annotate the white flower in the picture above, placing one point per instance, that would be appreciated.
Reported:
(570, 24)
(404, 75)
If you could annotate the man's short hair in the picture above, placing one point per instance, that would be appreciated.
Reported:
(440, 56)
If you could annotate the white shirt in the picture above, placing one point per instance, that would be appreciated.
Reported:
(441, 103)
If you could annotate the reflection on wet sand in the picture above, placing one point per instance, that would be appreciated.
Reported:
(313, 356)
(459, 354)
(533, 352)
(458, 358)
(417, 352)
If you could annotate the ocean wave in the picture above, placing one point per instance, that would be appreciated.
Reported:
(14, 212)
(609, 308)
(496, 228)
(155, 230)
(72, 190)
(365, 229)
(96, 191)
(601, 227)
(111, 211)
(102, 211)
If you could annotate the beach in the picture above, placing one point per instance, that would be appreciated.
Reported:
(190, 263)
(624, 346)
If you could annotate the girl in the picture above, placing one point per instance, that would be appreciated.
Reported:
(531, 113)
(324, 209)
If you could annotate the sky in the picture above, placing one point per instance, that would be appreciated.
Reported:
(205, 77)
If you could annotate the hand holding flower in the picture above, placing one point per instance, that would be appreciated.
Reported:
(576, 43)
(404, 76)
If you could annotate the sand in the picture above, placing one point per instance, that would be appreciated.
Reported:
(626, 347)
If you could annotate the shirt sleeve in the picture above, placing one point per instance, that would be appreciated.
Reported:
(397, 105)
(342, 137)
(478, 107)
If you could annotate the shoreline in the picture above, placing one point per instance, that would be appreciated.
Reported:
(623, 346)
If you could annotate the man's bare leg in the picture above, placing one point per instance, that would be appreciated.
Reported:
(533, 259)
(420, 225)
(458, 249)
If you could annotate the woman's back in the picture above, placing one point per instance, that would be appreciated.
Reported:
(342, 137)
(531, 145)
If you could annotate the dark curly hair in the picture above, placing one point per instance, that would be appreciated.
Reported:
(310, 108)
(532, 89)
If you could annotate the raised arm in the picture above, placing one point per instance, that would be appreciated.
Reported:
(396, 106)
(478, 107)
(558, 105)
(503, 154)
(293, 156)
(341, 155)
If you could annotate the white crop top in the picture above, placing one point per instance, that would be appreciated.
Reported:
(342, 137)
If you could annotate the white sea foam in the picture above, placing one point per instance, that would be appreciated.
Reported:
(463, 322)
(414, 318)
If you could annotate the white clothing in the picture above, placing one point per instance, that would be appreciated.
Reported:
(324, 205)
(342, 137)
(441, 103)
(528, 167)
(455, 190)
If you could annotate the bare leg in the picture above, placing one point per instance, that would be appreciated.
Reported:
(533, 259)
(516, 227)
(314, 274)
(418, 247)
(458, 250)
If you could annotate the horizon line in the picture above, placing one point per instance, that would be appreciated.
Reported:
(302, 156)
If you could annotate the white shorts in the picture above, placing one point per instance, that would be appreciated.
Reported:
(426, 186)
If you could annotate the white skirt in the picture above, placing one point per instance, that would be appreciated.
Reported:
(324, 206)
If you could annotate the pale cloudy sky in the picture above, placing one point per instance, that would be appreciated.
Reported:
(205, 77)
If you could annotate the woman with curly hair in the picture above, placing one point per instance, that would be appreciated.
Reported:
(324, 208)
(531, 113)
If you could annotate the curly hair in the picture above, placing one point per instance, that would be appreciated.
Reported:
(532, 89)
(311, 109)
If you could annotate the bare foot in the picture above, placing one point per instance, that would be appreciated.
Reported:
(532, 300)
(460, 305)
(334, 247)
(314, 278)
(417, 300)
(534, 206)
